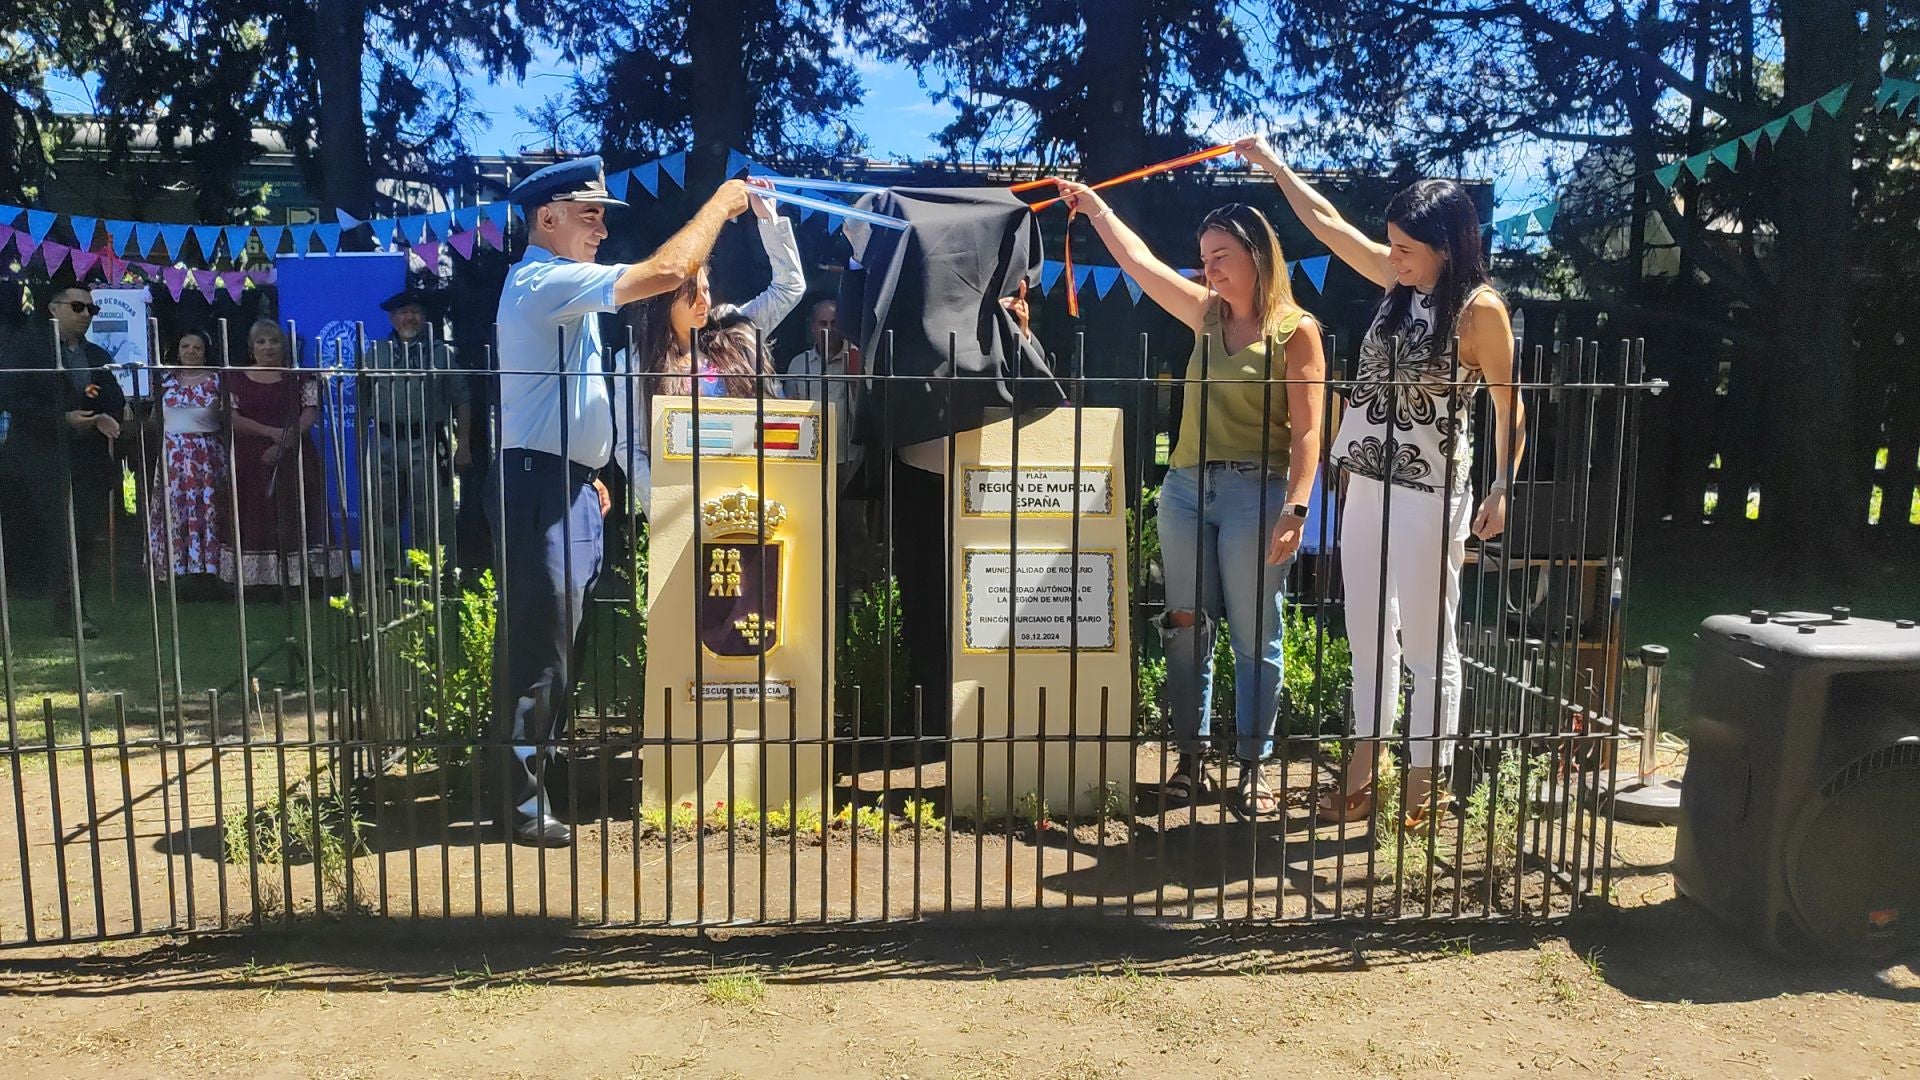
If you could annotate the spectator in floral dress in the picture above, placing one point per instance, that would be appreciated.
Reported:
(190, 481)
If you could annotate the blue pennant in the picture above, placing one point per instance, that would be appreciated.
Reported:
(270, 238)
(175, 237)
(83, 230)
(237, 236)
(346, 220)
(39, 222)
(329, 237)
(737, 163)
(302, 239)
(1103, 279)
(649, 177)
(617, 183)
(382, 231)
(675, 166)
(208, 237)
(1133, 287)
(9, 215)
(146, 236)
(467, 217)
(1049, 275)
(1080, 274)
(410, 228)
(441, 224)
(498, 212)
(1316, 271)
(119, 232)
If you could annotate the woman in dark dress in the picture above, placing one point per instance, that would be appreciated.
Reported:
(280, 523)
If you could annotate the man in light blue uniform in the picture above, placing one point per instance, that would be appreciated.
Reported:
(556, 432)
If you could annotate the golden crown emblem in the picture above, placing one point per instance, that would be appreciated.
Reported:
(738, 513)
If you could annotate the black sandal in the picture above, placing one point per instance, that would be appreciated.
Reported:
(1187, 781)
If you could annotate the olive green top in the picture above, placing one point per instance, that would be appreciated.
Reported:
(418, 404)
(1236, 394)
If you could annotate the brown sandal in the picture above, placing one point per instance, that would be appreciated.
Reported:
(1332, 808)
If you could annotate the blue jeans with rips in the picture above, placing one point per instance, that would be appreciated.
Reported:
(1213, 545)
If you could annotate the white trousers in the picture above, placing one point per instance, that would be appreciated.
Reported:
(1400, 558)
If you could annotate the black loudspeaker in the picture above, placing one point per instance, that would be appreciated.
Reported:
(1800, 809)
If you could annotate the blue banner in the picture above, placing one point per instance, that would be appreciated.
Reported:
(329, 300)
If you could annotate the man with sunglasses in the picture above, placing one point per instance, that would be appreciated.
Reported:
(67, 408)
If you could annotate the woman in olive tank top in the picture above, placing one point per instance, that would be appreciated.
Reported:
(1405, 448)
(1234, 504)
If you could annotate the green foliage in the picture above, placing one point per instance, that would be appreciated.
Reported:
(1149, 684)
(1496, 800)
(451, 652)
(872, 636)
(1318, 670)
(313, 823)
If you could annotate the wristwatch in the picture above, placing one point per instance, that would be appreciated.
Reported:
(1298, 510)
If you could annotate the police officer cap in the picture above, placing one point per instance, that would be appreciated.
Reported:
(407, 296)
(581, 180)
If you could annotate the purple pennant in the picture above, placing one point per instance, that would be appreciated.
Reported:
(55, 255)
(176, 279)
(491, 236)
(429, 253)
(462, 243)
(83, 262)
(25, 244)
(206, 282)
(235, 283)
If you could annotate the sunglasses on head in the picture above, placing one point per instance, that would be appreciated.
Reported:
(79, 306)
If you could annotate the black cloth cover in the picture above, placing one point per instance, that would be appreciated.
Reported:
(936, 288)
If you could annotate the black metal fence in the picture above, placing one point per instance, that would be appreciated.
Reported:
(191, 751)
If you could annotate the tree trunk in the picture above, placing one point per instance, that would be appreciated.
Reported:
(346, 176)
(719, 109)
(1813, 494)
(1114, 58)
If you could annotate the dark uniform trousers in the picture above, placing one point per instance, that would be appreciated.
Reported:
(546, 515)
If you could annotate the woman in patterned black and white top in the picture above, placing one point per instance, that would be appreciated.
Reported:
(1406, 448)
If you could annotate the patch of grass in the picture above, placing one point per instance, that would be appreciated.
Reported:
(487, 988)
(735, 987)
(1115, 989)
(1547, 971)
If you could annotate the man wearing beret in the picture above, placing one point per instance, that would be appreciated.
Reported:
(421, 418)
(556, 432)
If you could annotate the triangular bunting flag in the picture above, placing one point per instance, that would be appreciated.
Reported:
(1665, 175)
(205, 281)
(617, 183)
(497, 212)
(347, 221)
(83, 262)
(429, 253)
(113, 266)
(208, 237)
(1316, 271)
(462, 243)
(235, 284)
(1080, 276)
(1774, 128)
(237, 237)
(175, 237)
(39, 222)
(675, 166)
(8, 215)
(413, 228)
(807, 212)
(302, 238)
(1835, 99)
(1103, 280)
(1751, 140)
(83, 230)
(1802, 116)
(1727, 153)
(1049, 275)
(491, 235)
(1884, 94)
(468, 217)
(648, 176)
(441, 224)
(270, 238)
(1133, 287)
(736, 163)
(119, 232)
(54, 255)
(1543, 217)
(24, 243)
(176, 279)
(146, 238)
(1697, 165)
(329, 237)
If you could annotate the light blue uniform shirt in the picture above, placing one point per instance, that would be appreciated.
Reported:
(549, 303)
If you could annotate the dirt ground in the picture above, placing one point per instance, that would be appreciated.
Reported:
(1651, 988)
